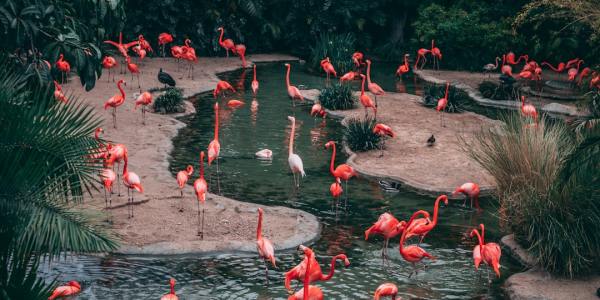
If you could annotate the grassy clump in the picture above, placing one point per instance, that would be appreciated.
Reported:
(339, 49)
(548, 189)
(359, 135)
(169, 102)
(584, 124)
(457, 99)
(337, 96)
(495, 91)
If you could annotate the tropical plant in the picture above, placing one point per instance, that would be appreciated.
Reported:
(339, 49)
(457, 99)
(169, 102)
(337, 96)
(45, 168)
(495, 91)
(584, 124)
(359, 134)
(547, 186)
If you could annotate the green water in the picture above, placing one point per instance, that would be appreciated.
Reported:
(245, 131)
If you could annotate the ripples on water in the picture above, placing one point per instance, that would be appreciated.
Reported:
(262, 123)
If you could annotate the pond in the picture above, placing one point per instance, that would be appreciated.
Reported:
(245, 131)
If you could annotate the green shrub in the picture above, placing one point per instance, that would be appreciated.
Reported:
(169, 102)
(338, 47)
(457, 98)
(548, 193)
(495, 91)
(584, 124)
(337, 96)
(359, 134)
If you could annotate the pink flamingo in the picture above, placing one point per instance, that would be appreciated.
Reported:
(342, 171)
(528, 110)
(437, 55)
(351, 75)
(293, 91)
(254, 81)
(336, 189)
(240, 50)
(133, 69)
(72, 288)
(63, 66)
(489, 68)
(584, 73)
(308, 292)
(488, 253)
(413, 253)
(164, 39)
(116, 101)
(177, 53)
(421, 56)
(182, 178)
(383, 131)
(328, 68)
(441, 105)
(388, 226)
(222, 87)
(386, 289)
(132, 182)
(317, 110)
(214, 148)
(365, 100)
(226, 44)
(144, 99)
(108, 177)
(572, 73)
(357, 58)
(109, 62)
(314, 273)
(471, 190)
(505, 69)
(115, 154)
(171, 295)
(403, 68)
(58, 93)
(559, 68)
(122, 48)
(421, 229)
(374, 88)
(189, 54)
(264, 245)
(201, 188)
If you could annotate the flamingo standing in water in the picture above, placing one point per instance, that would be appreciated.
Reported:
(58, 93)
(144, 99)
(164, 39)
(386, 289)
(222, 87)
(108, 177)
(365, 100)
(328, 68)
(308, 292)
(383, 131)
(471, 190)
(437, 55)
(488, 253)
(421, 56)
(374, 88)
(528, 110)
(264, 245)
(116, 101)
(240, 50)
(214, 148)
(314, 273)
(343, 171)
(403, 68)
(292, 90)
(317, 110)
(254, 84)
(132, 182)
(63, 66)
(201, 188)
(133, 69)
(336, 189)
(109, 62)
(226, 44)
(295, 162)
(182, 178)
(441, 105)
(171, 295)
(421, 229)
(413, 253)
(388, 226)
(72, 288)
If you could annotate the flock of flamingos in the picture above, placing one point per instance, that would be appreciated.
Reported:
(309, 270)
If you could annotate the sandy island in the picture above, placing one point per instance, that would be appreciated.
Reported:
(158, 227)
(407, 159)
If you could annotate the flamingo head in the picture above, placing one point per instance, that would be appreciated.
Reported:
(482, 227)
(338, 180)
(291, 118)
(260, 211)
(172, 282)
(401, 225)
(220, 29)
(98, 131)
(444, 198)
(307, 251)
(362, 76)
(368, 61)
(287, 65)
(345, 258)
(473, 233)
(74, 284)
(457, 191)
(329, 144)
(122, 81)
(190, 170)
(201, 157)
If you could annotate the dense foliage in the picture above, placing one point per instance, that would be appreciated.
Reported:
(457, 98)
(548, 188)
(337, 96)
(171, 101)
(494, 90)
(45, 168)
(359, 134)
(338, 48)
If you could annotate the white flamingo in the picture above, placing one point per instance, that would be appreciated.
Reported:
(294, 160)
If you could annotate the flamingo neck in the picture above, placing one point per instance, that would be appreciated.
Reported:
(406, 61)
(187, 43)
(497, 60)
(369, 72)
(202, 164)
(447, 86)
(221, 36)
(579, 65)
(60, 57)
(478, 238)
(259, 227)
(307, 276)
(432, 44)
(254, 79)
(362, 88)
(172, 288)
(332, 267)
(125, 169)
(121, 89)
(332, 160)
(287, 77)
(436, 207)
(217, 123)
(482, 227)
(292, 133)
(503, 60)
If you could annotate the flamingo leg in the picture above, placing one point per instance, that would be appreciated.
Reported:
(202, 225)
(118, 178)
(218, 177)
(346, 200)
(132, 192)
(128, 205)
(105, 199)
(266, 271)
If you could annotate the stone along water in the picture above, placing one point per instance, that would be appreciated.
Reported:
(245, 131)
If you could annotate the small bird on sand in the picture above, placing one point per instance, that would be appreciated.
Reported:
(165, 78)
(431, 141)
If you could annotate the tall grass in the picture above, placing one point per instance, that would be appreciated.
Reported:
(359, 134)
(552, 209)
(339, 49)
(337, 96)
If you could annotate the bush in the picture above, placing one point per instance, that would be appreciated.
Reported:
(337, 96)
(548, 192)
(338, 47)
(457, 98)
(359, 134)
(495, 91)
(169, 102)
(584, 124)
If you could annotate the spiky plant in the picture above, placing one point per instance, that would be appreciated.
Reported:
(359, 134)
(457, 99)
(339, 49)
(584, 124)
(170, 101)
(548, 187)
(337, 96)
(45, 168)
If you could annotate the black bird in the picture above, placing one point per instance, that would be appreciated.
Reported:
(165, 78)
(431, 141)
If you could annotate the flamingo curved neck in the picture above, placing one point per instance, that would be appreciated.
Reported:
(125, 169)
(331, 169)
(172, 288)
(307, 277)
(202, 165)
(497, 60)
(121, 89)
(435, 211)
(332, 267)
(287, 77)
(478, 238)
(369, 72)
(482, 227)
(291, 146)
(221, 36)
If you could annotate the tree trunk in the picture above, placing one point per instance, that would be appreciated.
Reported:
(397, 30)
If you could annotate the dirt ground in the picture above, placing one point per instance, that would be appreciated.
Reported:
(229, 224)
(407, 158)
